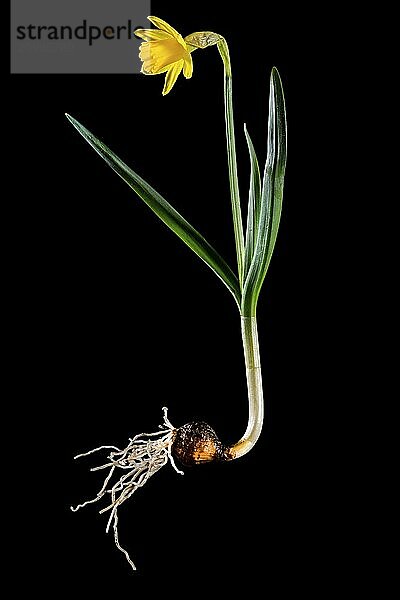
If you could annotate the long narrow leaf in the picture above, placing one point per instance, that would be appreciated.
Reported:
(253, 211)
(164, 211)
(271, 198)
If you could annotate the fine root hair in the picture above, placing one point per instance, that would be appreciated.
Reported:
(145, 454)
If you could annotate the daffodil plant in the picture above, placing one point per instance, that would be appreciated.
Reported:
(164, 50)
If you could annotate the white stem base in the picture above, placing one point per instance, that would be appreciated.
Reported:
(254, 387)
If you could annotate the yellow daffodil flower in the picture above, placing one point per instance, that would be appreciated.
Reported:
(164, 51)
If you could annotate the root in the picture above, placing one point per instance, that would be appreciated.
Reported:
(145, 454)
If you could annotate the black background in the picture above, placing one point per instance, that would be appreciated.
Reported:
(115, 318)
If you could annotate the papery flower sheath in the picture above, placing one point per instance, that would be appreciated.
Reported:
(164, 51)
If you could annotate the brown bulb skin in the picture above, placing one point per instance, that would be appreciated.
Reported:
(197, 443)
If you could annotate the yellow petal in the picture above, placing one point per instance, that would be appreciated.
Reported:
(188, 67)
(150, 71)
(152, 34)
(163, 25)
(172, 76)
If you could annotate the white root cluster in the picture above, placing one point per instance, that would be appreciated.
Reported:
(145, 454)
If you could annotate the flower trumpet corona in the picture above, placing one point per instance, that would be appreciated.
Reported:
(165, 51)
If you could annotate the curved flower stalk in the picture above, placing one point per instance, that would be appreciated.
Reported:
(164, 50)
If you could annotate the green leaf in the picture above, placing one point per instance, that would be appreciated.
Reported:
(253, 211)
(165, 212)
(271, 196)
